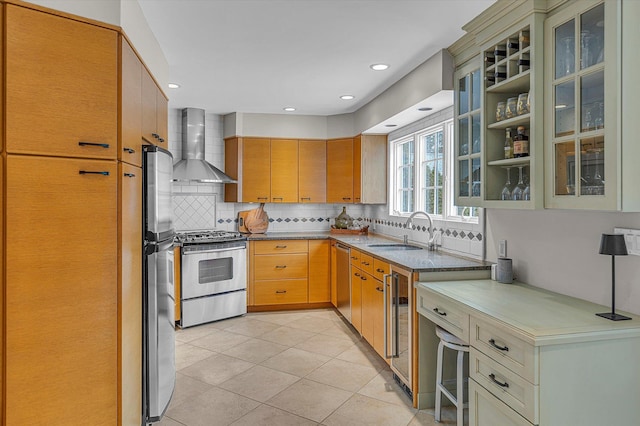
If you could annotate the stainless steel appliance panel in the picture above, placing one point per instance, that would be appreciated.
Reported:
(213, 308)
(219, 269)
(399, 326)
(158, 165)
(343, 276)
(160, 328)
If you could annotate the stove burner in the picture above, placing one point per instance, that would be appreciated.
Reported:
(203, 237)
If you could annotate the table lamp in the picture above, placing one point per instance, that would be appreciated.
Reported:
(613, 245)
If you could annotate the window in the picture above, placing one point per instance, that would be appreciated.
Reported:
(422, 167)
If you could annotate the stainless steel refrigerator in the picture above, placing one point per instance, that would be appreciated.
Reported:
(159, 367)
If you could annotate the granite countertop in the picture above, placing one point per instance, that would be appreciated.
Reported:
(414, 260)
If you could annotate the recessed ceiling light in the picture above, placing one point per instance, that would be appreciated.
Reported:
(347, 97)
(379, 67)
(289, 109)
(425, 109)
(174, 86)
(390, 125)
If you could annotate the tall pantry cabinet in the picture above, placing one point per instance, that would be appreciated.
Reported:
(71, 165)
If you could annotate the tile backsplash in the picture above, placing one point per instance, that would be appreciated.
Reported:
(201, 206)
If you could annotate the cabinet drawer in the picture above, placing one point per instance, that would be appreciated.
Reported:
(380, 269)
(505, 347)
(355, 256)
(487, 410)
(280, 292)
(507, 386)
(281, 246)
(366, 263)
(280, 266)
(446, 313)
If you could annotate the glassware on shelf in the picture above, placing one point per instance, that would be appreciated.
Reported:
(598, 123)
(500, 111)
(518, 192)
(597, 181)
(526, 195)
(569, 58)
(522, 107)
(529, 101)
(586, 56)
(587, 124)
(506, 190)
(511, 109)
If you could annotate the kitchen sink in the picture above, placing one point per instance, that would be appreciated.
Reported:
(395, 246)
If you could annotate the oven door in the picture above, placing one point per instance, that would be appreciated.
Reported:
(218, 268)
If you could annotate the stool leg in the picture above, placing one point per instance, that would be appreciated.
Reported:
(460, 389)
(439, 380)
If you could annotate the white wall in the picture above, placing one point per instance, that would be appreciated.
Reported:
(558, 250)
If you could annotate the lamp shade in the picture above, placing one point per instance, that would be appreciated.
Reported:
(613, 244)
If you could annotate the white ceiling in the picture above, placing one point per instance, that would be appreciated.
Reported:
(259, 56)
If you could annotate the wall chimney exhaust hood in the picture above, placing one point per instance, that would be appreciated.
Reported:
(193, 167)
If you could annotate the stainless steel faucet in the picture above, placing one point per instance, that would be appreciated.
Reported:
(409, 222)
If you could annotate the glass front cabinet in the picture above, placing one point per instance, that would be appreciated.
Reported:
(551, 124)
(587, 164)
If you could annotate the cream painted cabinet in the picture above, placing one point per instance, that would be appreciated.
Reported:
(370, 169)
(592, 145)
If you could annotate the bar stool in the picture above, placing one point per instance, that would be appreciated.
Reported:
(452, 342)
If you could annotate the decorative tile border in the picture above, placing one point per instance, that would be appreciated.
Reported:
(449, 232)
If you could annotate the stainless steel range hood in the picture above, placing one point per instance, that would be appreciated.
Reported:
(193, 167)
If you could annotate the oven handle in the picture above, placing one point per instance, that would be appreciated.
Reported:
(186, 253)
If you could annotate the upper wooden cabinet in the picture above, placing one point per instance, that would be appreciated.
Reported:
(154, 112)
(130, 147)
(61, 86)
(312, 173)
(249, 161)
(340, 171)
(370, 169)
(284, 170)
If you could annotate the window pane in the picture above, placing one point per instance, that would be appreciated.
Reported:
(475, 133)
(475, 187)
(463, 136)
(565, 49)
(592, 37)
(439, 203)
(463, 175)
(565, 168)
(475, 90)
(564, 104)
(592, 166)
(428, 201)
(463, 95)
(592, 101)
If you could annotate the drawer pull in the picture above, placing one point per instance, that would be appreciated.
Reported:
(380, 270)
(363, 278)
(437, 311)
(155, 135)
(86, 172)
(263, 198)
(277, 198)
(281, 291)
(365, 263)
(101, 145)
(380, 289)
(129, 150)
(354, 258)
(129, 175)
(281, 247)
(356, 274)
(502, 348)
(346, 198)
(281, 266)
(493, 379)
(305, 198)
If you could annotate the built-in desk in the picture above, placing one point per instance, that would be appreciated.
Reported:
(538, 357)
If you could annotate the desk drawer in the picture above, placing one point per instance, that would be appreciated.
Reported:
(506, 385)
(444, 312)
(505, 347)
(487, 410)
(281, 266)
(280, 292)
(281, 246)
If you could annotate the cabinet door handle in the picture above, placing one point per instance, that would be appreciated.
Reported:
(277, 198)
(437, 311)
(380, 270)
(365, 263)
(493, 379)
(129, 150)
(281, 266)
(502, 348)
(155, 135)
(101, 145)
(86, 172)
(263, 198)
(129, 175)
(160, 139)
(363, 278)
(281, 247)
(354, 258)
(356, 274)
(305, 198)
(346, 198)
(281, 291)
(380, 289)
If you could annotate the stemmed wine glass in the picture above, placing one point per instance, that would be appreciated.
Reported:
(518, 191)
(506, 190)
(526, 195)
(598, 182)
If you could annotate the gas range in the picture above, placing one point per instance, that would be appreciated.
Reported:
(208, 237)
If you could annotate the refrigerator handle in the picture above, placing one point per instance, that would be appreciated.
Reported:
(385, 284)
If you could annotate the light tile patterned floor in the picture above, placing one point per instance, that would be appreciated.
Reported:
(286, 368)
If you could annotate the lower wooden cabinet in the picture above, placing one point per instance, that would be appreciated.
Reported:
(289, 272)
(61, 341)
(356, 298)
